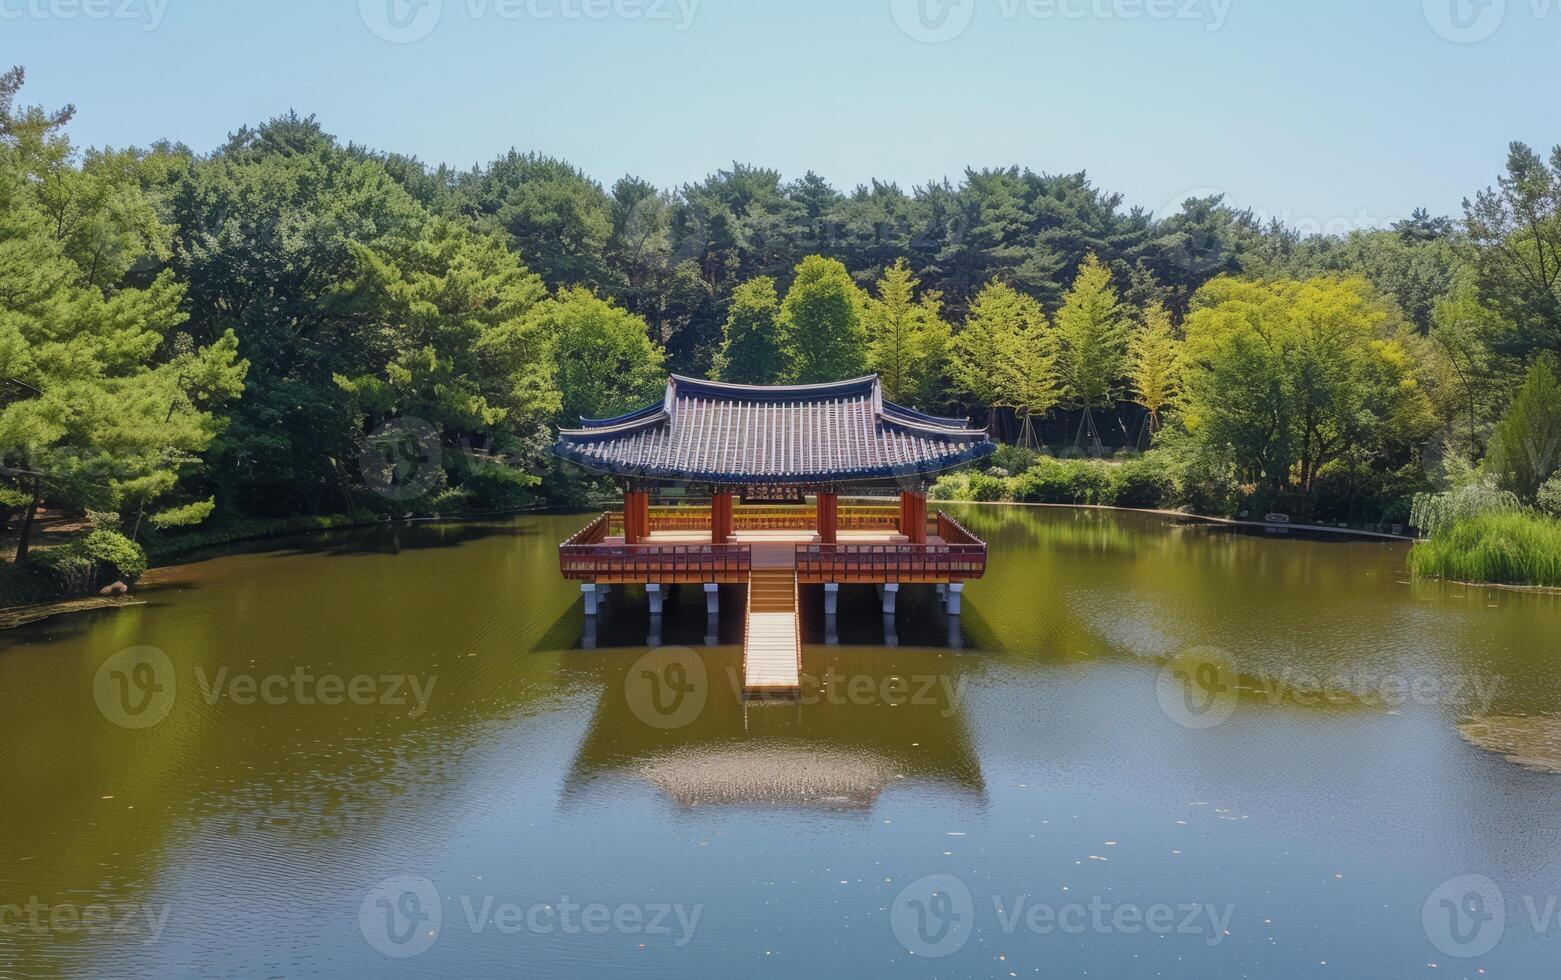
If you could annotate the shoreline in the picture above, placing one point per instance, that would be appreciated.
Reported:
(12, 617)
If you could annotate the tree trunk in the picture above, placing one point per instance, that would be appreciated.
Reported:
(24, 536)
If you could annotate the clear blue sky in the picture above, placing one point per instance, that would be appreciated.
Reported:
(1318, 111)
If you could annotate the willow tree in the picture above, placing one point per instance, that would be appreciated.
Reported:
(907, 338)
(1154, 365)
(1092, 330)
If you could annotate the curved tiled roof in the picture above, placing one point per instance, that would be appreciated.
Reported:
(713, 432)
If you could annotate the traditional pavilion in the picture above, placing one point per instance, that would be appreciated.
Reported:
(773, 463)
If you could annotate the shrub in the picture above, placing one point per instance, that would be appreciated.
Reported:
(1513, 548)
(1055, 482)
(1143, 483)
(84, 566)
(987, 488)
(951, 486)
(1549, 498)
(1014, 459)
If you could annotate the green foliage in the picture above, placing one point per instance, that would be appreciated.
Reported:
(822, 323)
(1140, 483)
(83, 566)
(604, 362)
(907, 339)
(1513, 548)
(991, 333)
(1436, 513)
(1064, 482)
(1549, 497)
(1525, 449)
(1154, 364)
(1092, 333)
(1287, 376)
(751, 351)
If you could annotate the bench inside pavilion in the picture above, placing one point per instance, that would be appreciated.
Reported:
(769, 466)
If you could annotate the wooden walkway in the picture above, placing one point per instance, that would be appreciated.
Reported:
(772, 649)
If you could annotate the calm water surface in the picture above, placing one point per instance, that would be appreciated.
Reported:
(421, 706)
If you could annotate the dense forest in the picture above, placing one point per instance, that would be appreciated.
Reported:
(200, 339)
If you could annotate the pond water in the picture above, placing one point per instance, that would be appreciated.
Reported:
(1144, 750)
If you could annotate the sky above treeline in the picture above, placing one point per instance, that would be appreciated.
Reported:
(1328, 114)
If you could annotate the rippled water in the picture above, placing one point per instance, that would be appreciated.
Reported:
(1259, 737)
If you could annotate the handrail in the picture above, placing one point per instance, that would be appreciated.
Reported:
(954, 532)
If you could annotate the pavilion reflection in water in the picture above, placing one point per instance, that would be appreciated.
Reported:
(872, 721)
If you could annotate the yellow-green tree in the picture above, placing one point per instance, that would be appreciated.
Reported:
(1154, 364)
(907, 337)
(1092, 333)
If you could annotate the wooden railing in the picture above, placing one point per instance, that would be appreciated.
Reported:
(585, 557)
(958, 557)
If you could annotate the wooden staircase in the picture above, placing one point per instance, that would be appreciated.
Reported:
(772, 652)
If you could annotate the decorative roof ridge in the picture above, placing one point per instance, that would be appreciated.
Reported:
(864, 385)
(645, 418)
(926, 428)
(946, 421)
(617, 420)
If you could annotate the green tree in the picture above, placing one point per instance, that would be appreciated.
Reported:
(1525, 448)
(751, 342)
(822, 323)
(987, 338)
(604, 362)
(103, 398)
(1516, 227)
(907, 338)
(1285, 377)
(1092, 331)
(1154, 364)
(446, 315)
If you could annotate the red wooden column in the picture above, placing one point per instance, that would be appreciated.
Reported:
(636, 516)
(913, 517)
(720, 518)
(829, 517)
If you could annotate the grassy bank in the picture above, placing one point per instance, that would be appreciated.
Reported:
(1521, 548)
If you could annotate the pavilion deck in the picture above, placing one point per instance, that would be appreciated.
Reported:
(773, 551)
